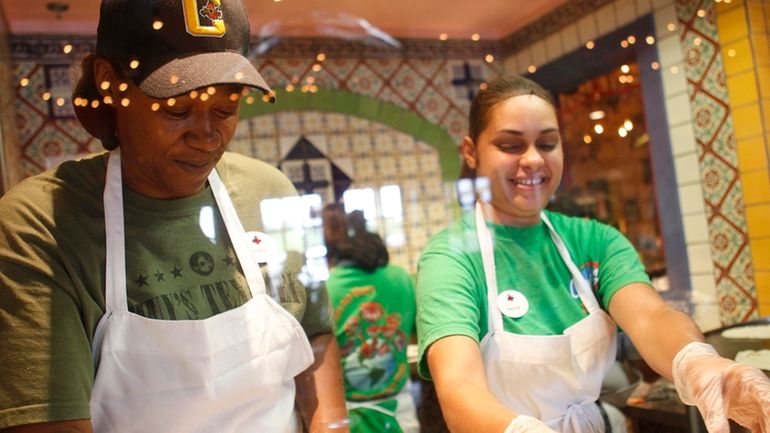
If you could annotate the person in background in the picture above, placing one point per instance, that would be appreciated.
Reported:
(132, 296)
(518, 306)
(374, 313)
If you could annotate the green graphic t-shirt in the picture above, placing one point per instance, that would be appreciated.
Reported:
(373, 321)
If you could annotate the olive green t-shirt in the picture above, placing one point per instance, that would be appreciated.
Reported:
(180, 265)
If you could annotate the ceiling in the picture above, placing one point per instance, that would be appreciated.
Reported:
(422, 19)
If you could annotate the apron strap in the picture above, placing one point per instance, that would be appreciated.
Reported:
(115, 248)
(494, 315)
(582, 285)
(237, 235)
(114, 231)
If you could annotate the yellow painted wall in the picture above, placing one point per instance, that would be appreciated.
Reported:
(744, 32)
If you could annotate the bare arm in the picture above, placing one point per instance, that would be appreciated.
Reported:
(76, 426)
(658, 331)
(320, 389)
(458, 373)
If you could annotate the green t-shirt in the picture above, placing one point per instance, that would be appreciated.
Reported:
(452, 292)
(373, 318)
(180, 264)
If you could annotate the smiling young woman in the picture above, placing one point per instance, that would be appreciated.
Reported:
(518, 306)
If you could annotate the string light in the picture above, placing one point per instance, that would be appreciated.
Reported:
(590, 45)
(489, 58)
(157, 24)
(67, 48)
(532, 69)
(443, 37)
(475, 37)
(24, 82)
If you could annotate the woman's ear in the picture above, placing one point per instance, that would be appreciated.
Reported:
(105, 78)
(468, 150)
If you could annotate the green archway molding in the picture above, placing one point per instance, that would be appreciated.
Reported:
(367, 107)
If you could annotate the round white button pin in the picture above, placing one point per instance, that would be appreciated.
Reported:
(512, 303)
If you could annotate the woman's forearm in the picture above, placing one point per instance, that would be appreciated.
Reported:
(320, 388)
(458, 373)
(658, 331)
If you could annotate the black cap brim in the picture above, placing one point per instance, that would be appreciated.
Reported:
(182, 75)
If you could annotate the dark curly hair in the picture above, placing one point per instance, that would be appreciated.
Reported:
(347, 239)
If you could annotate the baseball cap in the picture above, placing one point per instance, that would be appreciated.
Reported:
(171, 47)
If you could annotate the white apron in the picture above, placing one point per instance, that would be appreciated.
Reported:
(232, 372)
(555, 378)
(405, 413)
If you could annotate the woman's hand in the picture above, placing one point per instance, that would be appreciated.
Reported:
(527, 424)
(722, 389)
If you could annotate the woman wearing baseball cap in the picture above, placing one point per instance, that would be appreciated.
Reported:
(132, 296)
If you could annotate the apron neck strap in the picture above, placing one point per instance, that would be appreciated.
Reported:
(114, 231)
(114, 227)
(486, 245)
(237, 235)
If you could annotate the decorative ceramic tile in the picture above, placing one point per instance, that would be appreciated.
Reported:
(339, 145)
(391, 95)
(708, 116)
(50, 144)
(718, 161)
(432, 105)
(724, 145)
(363, 80)
(407, 83)
(427, 68)
(726, 242)
(699, 53)
(717, 177)
(28, 121)
(384, 67)
(340, 67)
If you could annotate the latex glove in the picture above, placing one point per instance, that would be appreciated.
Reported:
(527, 424)
(722, 389)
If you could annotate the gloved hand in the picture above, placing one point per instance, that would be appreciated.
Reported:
(722, 389)
(527, 424)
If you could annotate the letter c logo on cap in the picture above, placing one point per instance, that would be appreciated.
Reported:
(211, 12)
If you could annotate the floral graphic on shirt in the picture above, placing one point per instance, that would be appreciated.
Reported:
(372, 345)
